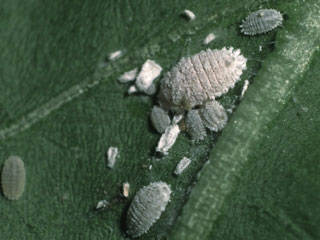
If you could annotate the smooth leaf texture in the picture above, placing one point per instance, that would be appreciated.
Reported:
(61, 107)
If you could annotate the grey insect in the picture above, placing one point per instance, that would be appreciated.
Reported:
(213, 115)
(195, 125)
(261, 21)
(13, 178)
(147, 207)
(201, 77)
(160, 119)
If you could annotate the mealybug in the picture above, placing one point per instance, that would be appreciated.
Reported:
(160, 119)
(200, 78)
(195, 126)
(261, 21)
(13, 178)
(147, 207)
(213, 116)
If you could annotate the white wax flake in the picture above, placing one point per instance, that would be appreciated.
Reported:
(177, 118)
(209, 38)
(102, 204)
(132, 90)
(149, 72)
(168, 138)
(182, 165)
(244, 88)
(115, 55)
(150, 167)
(190, 15)
(128, 76)
(126, 189)
(112, 155)
(260, 48)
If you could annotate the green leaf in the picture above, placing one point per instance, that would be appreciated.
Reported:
(61, 108)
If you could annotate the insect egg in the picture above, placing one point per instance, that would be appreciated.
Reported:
(261, 21)
(201, 77)
(13, 178)
(213, 115)
(147, 207)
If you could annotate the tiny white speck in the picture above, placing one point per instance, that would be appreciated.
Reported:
(190, 15)
(126, 189)
(150, 167)
(209, 38)
(132, 90)
(115, 55)
(260, 48)
(149, 72)
(182, 165)
(112, 155)
(102, 204)
(128, 76)
(244, 88)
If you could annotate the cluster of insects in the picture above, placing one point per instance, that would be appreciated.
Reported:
(189, 90)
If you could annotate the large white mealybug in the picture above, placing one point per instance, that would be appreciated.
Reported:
(147, 207)
(261, 21)
(213, 116)
(201, 77)
(13, 178)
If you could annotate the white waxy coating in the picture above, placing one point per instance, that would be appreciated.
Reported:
(213, 115)
(261, 21)
(13, 178)
(182, 165)
(244, 88)
(149, 72)
(126, 189)
(160, 119)
(102, 204)
(147, 207)
(112, 156)
(128, 76)
(115, 55)
(190, 15)
(201, 77)
(168, 138)
(209, 38)
(195, 126)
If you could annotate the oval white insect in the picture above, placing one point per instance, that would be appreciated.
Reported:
(195, 126)
(160, 119)
(147, 207)
(13, 178)
(201, 77)
(261, 21)
(213, 116)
